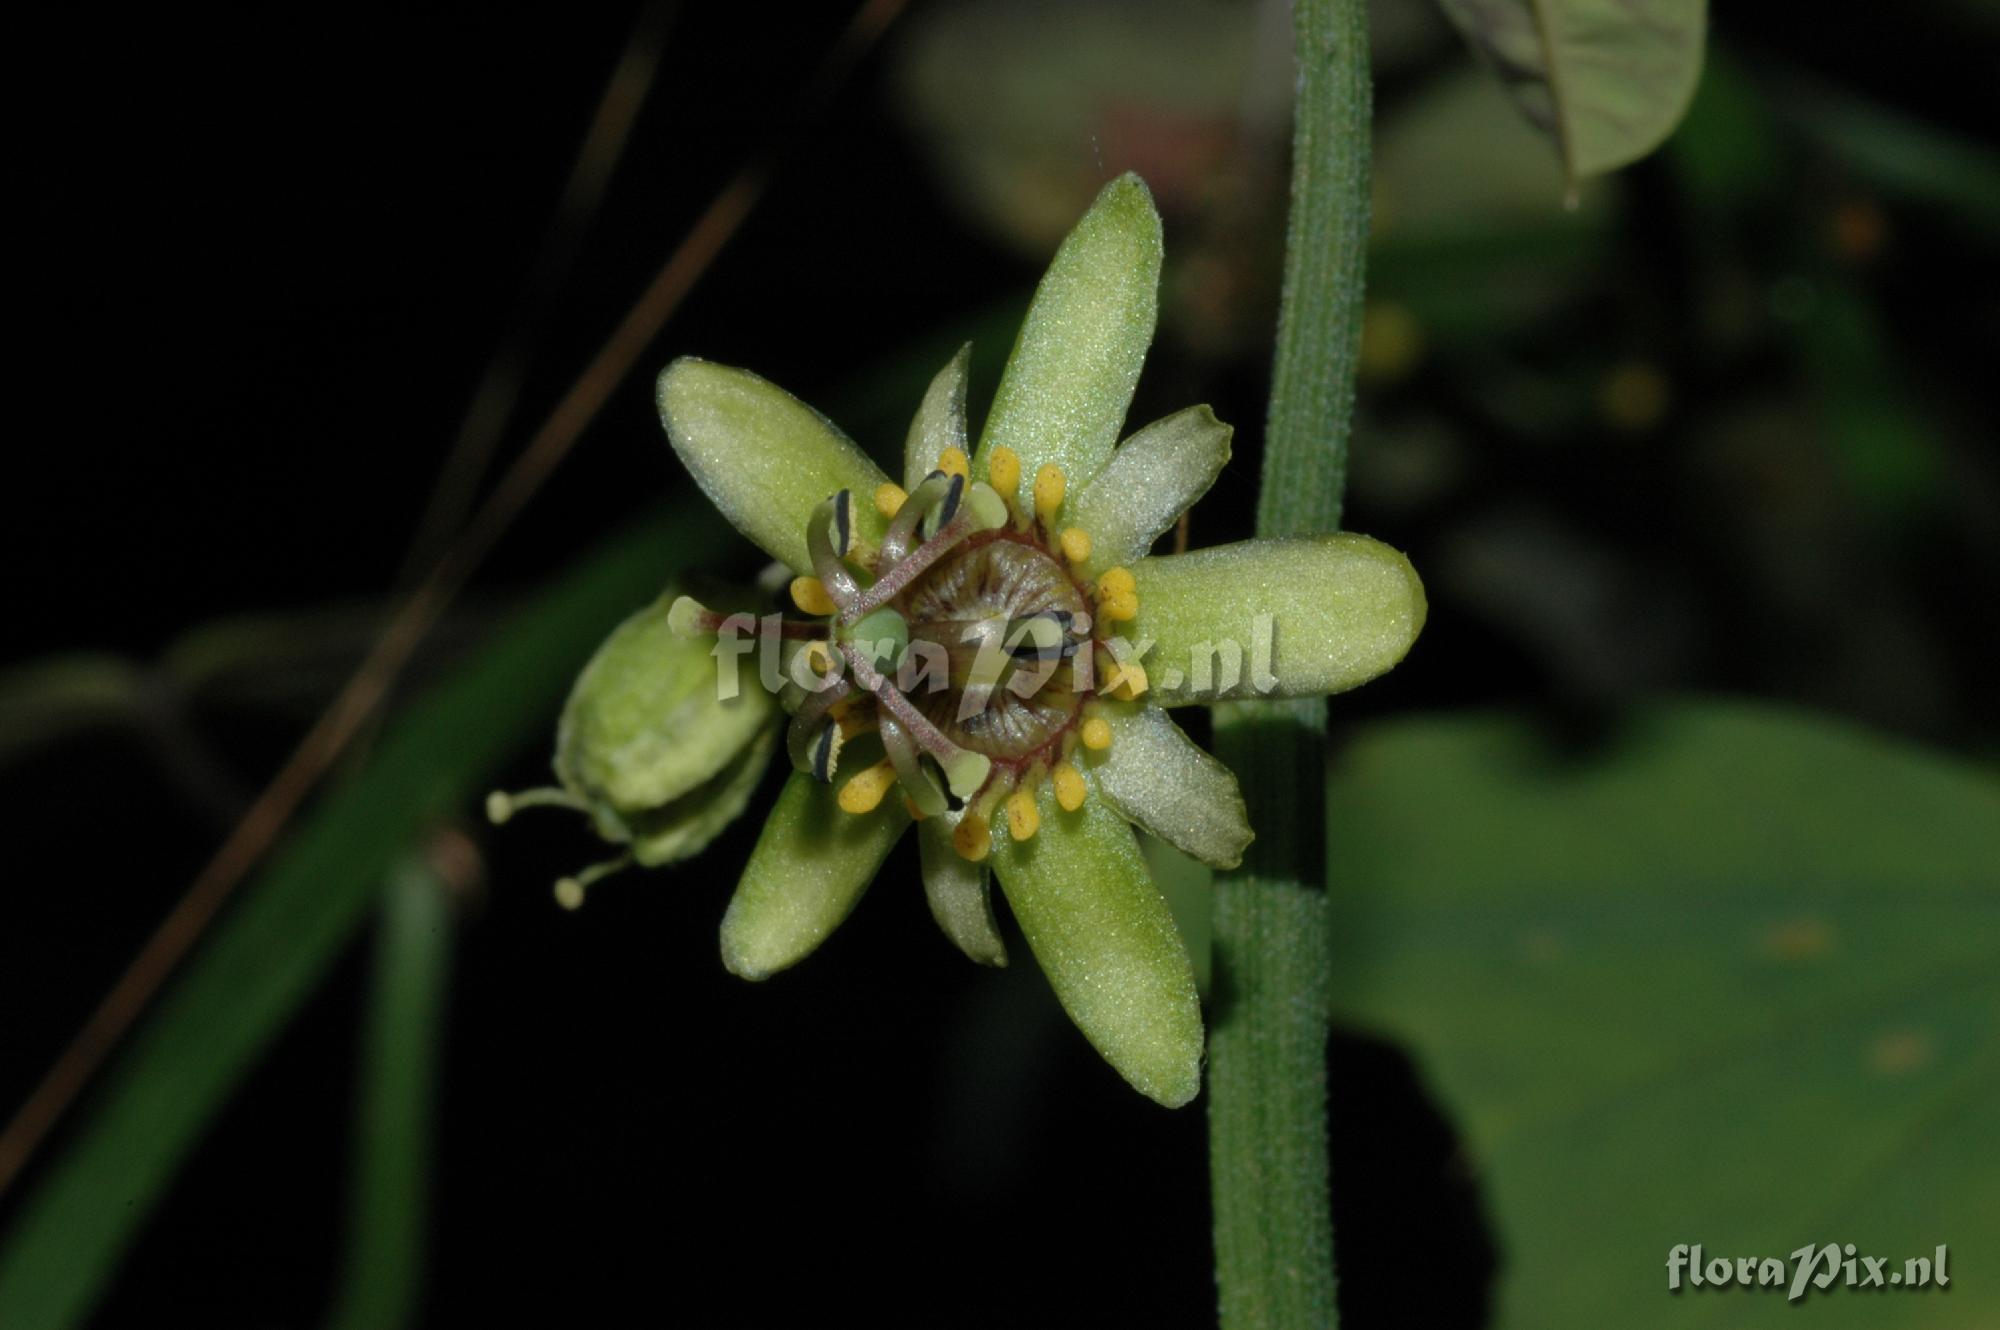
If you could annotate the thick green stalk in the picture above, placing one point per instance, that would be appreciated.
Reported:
(1267, 1055)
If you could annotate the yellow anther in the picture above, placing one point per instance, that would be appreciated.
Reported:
(1117, 582)
(889, 498)
(972, 838)
(1097, 734)
(809, 594)
(1075, 544)
(819, 658)
(1119, 606)
(910, 806)
(1050, 486)
(1128, 681)
(1023, 818)
(1070, 789)
(863, 791)
(952, 462)
(1003, 471)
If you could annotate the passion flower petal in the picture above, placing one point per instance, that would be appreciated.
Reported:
(809, 868)
(939, 423)
(1063, 395)
(1104, 936)
(1154, 477)
(764, 458)
(1161, 780)
(960, 893)
(1274, 618)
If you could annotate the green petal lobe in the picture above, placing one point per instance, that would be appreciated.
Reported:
(1153, 477)
(684, 827)
(1063, 395)
(960, 893)
(939, 423)
(1103, 934)
(763, 458)
(1318, 614)
(809, 868)
(1161, 780)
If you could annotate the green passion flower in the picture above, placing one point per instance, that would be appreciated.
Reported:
(991, 651)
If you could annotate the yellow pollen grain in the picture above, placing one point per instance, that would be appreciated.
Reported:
(1119, 606)
(972, 838)
(809, 594)
(1003, 472)
(1050, 486)
(889, 498)
(952, 461)
(1070, 788)
(1023, 818)
(863, 792)
(1097, 734)
(1075, 544)
(1117, 582)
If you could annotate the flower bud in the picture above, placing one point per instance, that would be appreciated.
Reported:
(649, 746)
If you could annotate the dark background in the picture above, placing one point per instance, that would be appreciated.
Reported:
(263, 260)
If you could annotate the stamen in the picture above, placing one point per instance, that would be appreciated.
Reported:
(825, 758)
(1117, 581)
(501, 805)
(843, 522)
(863, 792)
(1003, 472)
(889, 498)
(1096, 734)
(1050, 485)
(1023, 818)
(1119, 607)
(826, 546)
(1075, 544)
(921, 791)
(947, 508)
(903, 527)
(953, 462)
(1070, 789)
(569, 890)
(972, 838)
(804, 738)
(809, 594)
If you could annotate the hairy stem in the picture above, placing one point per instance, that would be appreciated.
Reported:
(1267, 1055)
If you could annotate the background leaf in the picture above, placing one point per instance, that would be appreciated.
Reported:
(1740, 962)
(269, 952)
(1606, 79)
(389, 1216)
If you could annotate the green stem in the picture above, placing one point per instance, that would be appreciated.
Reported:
(1267, 1055)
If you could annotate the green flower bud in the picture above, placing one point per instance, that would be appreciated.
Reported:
(650, 749)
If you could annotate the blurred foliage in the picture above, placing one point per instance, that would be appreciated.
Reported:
(1730, 976)
(1606, 80)
(265, 958)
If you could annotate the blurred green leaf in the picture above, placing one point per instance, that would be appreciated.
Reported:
(265, 957)
(390, 1206)
(1606, 79)
(1732, 979)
